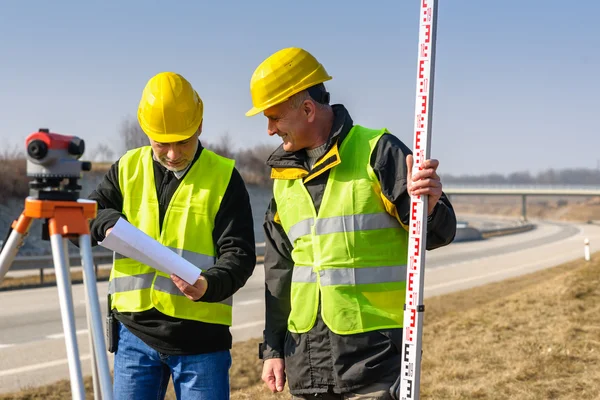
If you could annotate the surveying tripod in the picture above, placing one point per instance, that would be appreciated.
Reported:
(52, 158)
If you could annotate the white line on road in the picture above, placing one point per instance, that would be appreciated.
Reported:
(34, 367)
(248, 325)
(247, 302)
(474, 278)
(55, 363)
(4, 346)
(62, 335)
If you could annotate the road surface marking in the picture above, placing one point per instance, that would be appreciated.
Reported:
(247, 302)
(29, 368)
(62, 335)
(248, 325)
(499, 272)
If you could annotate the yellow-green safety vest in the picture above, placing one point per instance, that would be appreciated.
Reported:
(352, 253)
(187, 229)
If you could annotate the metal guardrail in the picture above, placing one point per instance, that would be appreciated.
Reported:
(507, 230)
(21, 263)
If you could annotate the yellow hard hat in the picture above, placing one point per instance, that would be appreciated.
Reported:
(282, 75)
(170, 109)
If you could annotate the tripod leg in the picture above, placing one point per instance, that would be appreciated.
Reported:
(97, 394)
(65, 297)
(95, 317)
(13, 243)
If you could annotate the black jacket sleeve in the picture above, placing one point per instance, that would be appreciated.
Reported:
(278, 279)
(233, 235)
(110, 204)
(389, 163)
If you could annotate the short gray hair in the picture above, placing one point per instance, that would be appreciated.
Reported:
(299, 98)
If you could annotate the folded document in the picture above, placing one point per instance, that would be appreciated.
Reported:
(131, 242)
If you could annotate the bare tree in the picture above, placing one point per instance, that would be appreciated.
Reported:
(103, 153)
(252, 166)
(13, 170)
(224, 147)
(132, 135)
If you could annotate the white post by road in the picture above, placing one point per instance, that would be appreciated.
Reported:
(586, 249)
(410, 372)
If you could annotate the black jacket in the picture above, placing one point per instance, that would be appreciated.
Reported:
(320, 360)
(233, 235)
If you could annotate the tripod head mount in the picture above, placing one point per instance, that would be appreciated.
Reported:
(52, 158)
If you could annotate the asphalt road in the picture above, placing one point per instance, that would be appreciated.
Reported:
(32, 348)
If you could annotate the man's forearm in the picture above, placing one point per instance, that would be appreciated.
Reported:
(233, 235)
(105, 219)
(441, 225)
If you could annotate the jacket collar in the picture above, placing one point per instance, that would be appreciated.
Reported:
(294, 165)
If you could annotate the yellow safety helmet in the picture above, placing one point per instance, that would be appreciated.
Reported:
(282, 75)
(170, 109)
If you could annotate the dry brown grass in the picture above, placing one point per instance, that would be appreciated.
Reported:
(532, 337)
(101, 167)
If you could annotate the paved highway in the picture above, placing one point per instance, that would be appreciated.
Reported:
(32, 349)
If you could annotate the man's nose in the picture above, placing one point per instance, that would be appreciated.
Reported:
(272, 128)
(173, 153)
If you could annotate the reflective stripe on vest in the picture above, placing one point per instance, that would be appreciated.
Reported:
(187, 230)
(345, 223)
(349, 276)
(352, 254)
(145, 281)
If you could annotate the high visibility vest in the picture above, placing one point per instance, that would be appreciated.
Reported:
(187, 229)
(352, 253)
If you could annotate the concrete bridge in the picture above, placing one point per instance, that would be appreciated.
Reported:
(523, 191)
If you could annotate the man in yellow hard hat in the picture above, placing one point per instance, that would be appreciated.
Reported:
(336, 238)
(194, 202)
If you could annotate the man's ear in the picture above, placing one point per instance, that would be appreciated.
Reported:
(309, 109)
(200, 128)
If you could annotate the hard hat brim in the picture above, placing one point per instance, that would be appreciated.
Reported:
(255, 110)
(171, 137)
(278, 100)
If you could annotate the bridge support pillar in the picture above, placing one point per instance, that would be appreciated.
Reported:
(524, 207)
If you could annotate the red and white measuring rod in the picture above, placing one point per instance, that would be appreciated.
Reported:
(413, 309)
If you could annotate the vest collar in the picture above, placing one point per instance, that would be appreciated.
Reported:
(294, 165)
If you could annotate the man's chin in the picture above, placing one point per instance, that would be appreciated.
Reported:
(289, 147)
(174, 168)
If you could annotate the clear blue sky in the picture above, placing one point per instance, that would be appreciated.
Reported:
(516, 81)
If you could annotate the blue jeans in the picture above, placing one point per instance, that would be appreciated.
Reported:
(141, 372)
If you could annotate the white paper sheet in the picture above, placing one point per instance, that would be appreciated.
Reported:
(131, 242)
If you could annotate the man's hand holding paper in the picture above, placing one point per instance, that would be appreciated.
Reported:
(193, 292)
(131, 242)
